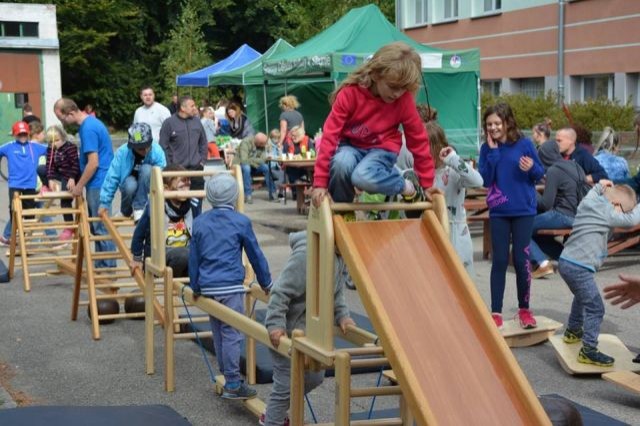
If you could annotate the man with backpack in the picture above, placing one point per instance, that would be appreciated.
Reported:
(565, 185)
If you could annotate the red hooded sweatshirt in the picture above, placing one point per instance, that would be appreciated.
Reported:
(369, 122)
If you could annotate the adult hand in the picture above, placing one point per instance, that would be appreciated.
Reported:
(526, 163)
(345, 322)
(429, 192)
(444, 152)
(71, 183)
(606, 183)
(317, 195)
(103, 211)
(77, 190)
(491, 143)
(135, 265)
(276, 335)
(626, 292)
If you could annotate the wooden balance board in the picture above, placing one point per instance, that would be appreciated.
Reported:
(607, 343)
(627, 379)
(517, 337)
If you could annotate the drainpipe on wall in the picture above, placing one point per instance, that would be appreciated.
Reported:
(398, 4)
(561, 4)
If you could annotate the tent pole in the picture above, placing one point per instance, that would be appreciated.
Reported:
(266, 113)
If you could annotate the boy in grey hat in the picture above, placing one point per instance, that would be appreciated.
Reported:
(216, 271)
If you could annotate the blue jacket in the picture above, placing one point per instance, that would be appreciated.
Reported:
(512, 192)
(588, 163)
(121, 168)
(215, 253)
(22, 159)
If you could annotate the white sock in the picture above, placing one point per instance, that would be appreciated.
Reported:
(409, 189)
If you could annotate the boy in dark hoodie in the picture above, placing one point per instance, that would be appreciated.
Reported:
(216, 271)
(286, 312)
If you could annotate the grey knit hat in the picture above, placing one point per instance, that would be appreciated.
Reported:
(549, 153)
(222, 190)
(140, 136)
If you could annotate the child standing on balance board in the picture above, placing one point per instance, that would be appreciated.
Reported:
(603, 208)
(361, 138)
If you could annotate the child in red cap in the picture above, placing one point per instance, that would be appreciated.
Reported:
(22, 159)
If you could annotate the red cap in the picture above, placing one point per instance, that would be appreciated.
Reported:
(20, 127)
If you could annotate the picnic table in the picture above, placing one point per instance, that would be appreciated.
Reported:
(308, 165)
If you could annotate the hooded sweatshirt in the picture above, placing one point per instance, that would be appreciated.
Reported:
(287, 304)
(561, 185)
(596, 217)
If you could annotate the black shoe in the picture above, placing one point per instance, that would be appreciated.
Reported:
(637, 359)
(241, 392)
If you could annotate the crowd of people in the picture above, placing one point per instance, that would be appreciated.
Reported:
(363, 151)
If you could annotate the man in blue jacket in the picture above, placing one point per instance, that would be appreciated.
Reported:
(566, 139)
(130, 171)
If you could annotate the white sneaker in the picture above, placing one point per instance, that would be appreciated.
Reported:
(137, 214)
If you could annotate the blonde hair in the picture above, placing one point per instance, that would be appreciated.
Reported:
(623, 195)
(53, 131)
(437, 141)
(290, 102)
(296, 130)
(274, 133)
(397, 64)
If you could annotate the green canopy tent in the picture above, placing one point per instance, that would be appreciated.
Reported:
(260, 98)
(314, 68)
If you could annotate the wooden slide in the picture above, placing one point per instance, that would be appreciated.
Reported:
(449, 359)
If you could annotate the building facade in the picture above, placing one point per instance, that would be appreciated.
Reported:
(526, 44)
(29, 62)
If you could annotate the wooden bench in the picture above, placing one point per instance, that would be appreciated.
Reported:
(483, 216)
(300, 188)
(621, 238)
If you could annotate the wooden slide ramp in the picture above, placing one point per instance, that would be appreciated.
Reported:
(450, 360)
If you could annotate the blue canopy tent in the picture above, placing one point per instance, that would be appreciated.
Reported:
(200, 78)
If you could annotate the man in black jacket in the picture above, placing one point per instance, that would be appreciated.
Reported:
(184, 141)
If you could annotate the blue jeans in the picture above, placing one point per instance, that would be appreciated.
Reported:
(371, 170)
(246, 178)
(587, 309)
(97, 228)
(518, 231)
(545, 245)
(26, 204)
(227, 340)
(135, 191)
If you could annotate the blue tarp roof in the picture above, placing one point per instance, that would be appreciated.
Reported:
(200, 78)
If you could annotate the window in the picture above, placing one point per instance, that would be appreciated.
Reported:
(532, 87)
(450, 9)
(415, 13)
(492, 5)
(597, 86)
(18, 29)
(492, 86)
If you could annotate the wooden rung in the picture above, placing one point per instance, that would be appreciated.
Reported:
(110, 269)
(48, 196)
(114, 276)
(102, 255)
(49, 212)
(50, 225)
(197, 319)
(33, 251)
(107, 237)
(118, 296)
(49, 259)
(114, 286)
(192, 335)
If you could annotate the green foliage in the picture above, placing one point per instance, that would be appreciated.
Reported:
(593, 114)
(185, 50)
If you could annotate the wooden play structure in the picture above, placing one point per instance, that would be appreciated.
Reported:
(30, 246)
(431, 321)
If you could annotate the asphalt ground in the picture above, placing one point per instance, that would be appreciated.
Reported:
(47, 359)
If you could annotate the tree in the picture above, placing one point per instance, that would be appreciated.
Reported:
(186, 49)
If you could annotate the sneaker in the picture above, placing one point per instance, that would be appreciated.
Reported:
(497, 318)
(137, 214)
(527, 321)
(419, 194)
(4, 242)
(543, 271)
(241, 392)
(248, 199)
(572, 336)
(262, 419)
(636, 359)
(66, 234)
(591, 355)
